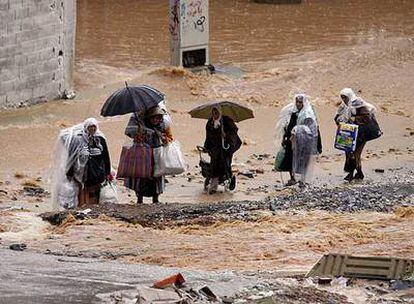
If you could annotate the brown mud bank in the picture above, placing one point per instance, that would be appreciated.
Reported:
(375, 197)
(287, 231)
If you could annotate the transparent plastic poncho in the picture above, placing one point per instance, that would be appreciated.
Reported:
(71, 153)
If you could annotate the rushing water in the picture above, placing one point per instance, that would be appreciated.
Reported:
(134, 34)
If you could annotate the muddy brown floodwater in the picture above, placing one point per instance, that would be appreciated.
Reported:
(135, 34)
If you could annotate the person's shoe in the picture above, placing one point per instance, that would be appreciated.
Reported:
(232, 185)
(349, 177)
(140, 200)
(359, 175)
(291, 182)
(155, 199)
(302, 184)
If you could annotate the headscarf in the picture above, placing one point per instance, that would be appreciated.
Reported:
(166, 117)
(88, 123)
(216, 122)
(345, 111)
(92, 139)
(289, 109)
(307, 110)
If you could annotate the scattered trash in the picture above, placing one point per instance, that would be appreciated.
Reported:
(68, 94)
(340, 282)
(172, 290)
(379, 170)
(246, 174)
(208, 293)
(401, 284)
(260, 171)
(324, 281)
(86, 211)
(262, 295)
(18, 247)
(176, 280)
(33, 191)
(147, 295)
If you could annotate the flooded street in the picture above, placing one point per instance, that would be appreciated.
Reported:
(135, 34)
(263, 55)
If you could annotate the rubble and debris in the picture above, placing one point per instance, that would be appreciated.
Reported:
(401, 284)
(147, 295)
(18, 247)
(33, 191)
(247, 174)
(174, 290)
(380, 197)
(176, 280)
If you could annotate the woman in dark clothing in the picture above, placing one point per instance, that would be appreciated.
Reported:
(301, 138)
(286, 165)
(153, 131)
(222, 141)
(355, 110)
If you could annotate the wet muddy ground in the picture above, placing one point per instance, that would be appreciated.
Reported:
(269, 245)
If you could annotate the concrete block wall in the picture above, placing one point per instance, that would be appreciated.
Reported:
(37, 41)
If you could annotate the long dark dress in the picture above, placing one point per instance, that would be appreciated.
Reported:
(221, 159)
(98, 167)
(286, 165)
(147, 187)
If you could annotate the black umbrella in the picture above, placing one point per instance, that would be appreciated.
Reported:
(131, 99)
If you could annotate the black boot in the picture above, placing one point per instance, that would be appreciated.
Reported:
(359, 174)
(140, 199)
(155, 199)
(232, 185)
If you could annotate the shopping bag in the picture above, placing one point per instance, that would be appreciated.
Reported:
(135, 161)
(108, 193)
(68, 194)
(373, 130)
(280, 156)
(346, 137)
(168, 160)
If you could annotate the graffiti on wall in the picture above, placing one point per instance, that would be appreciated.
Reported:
(174, 19)
(188, 22)
(194, 20)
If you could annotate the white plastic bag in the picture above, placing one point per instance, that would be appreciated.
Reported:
(108, 193)
(168, 160)
(68, 194)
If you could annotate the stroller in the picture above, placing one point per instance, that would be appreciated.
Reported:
(206, 170)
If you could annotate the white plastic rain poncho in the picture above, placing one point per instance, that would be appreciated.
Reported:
(71, 153)
(346, 110)
(166, 117)
(305, 132)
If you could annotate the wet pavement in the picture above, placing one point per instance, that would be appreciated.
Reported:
(27, 277)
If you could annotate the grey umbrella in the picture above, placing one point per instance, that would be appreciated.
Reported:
(227, 108)
(131, 99)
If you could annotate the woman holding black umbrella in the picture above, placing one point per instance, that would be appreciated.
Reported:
(151, 130)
